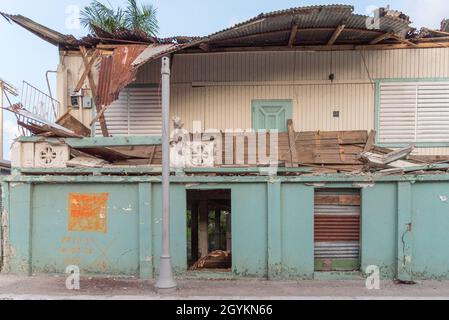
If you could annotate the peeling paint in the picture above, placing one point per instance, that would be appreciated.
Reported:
(87, 212)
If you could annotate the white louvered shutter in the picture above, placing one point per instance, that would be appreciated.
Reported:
(137, 112)
(414, 112)
(433, 112)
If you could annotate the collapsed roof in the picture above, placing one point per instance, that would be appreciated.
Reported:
(302, 26)
(312, 28)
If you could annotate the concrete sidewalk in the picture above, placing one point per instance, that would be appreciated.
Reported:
(15, 287)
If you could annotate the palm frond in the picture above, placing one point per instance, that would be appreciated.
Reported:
(142, 18)
(102, 16)
(134, 17)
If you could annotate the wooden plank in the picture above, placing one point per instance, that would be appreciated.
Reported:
(370, 143)
(86, 162)
(404, 41)
(70, 122)
(343, 200)
(93, 88)
(87, 70)
(336, 34)
(381, 38)
(293, 32)
(292, 143)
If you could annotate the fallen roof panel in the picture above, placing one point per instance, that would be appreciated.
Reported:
(41, 31)
(116, 72)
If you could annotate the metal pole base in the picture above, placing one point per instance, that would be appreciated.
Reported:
(166, 283)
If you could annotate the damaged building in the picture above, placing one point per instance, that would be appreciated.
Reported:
(309, 142)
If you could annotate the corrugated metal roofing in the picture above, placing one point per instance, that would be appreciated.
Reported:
(116, 72)
(41, 31)
(314, 17)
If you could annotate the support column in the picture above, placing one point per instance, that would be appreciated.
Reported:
(217, 229)
(274, 229)
(194, 231)
(404, 232)
(228, 232)
(166, 283)
(145, 235)
(203, 226)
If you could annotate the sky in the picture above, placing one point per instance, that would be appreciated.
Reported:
(23, 56)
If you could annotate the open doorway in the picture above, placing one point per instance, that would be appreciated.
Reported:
(209, 230)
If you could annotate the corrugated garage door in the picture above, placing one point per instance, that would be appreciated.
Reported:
(137, 112)
(337, 230)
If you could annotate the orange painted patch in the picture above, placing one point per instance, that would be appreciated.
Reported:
(87, 212)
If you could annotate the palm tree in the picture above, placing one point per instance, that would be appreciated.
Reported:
(133, 17)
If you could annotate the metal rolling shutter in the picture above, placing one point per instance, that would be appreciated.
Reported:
(414, 112)
(337, 230)
(137, 112)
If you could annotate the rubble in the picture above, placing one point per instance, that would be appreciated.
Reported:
(214, 260)
(350, 152)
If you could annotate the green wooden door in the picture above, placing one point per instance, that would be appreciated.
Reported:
(271, 114)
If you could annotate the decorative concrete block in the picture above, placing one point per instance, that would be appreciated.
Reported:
(51, 156)
(22, 155)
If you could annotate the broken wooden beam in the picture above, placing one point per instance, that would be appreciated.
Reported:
(70, 122)
(93, 88)
(370, 142)
(389, 160)
(87, 70)
(86, 162)
(291, 144)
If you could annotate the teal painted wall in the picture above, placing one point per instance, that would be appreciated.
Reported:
(249, 229)
(379, 225)
(297, 230)
(430, 231)
(404, 230)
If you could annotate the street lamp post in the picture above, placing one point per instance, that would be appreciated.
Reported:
(165, 282)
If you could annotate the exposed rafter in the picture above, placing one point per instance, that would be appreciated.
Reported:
(404, 40)
(336, 34)
(439, 32)
(381, 38)
(205, 47)
(293, 32)
(283, 32)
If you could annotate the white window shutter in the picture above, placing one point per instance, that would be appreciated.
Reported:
(433, 112)
(397, 112)
(414, 112)
(137, 112)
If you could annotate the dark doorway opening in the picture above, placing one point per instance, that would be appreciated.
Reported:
(209, 230)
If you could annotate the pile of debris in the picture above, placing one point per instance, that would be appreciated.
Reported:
(214, 260)
(323, 152)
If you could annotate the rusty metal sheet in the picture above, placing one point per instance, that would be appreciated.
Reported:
(116, 72)
(87, 212)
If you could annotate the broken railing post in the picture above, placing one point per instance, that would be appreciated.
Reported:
(165, 282)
